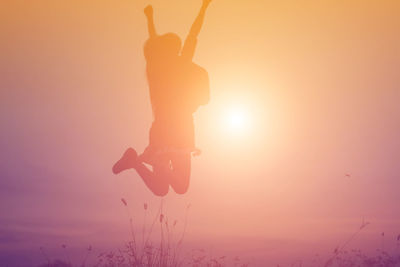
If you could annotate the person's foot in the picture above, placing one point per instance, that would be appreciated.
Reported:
(128, 161)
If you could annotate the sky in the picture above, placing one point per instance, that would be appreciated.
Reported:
(316, 83)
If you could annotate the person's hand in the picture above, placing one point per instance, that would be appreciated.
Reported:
(206, 2)
(148, 10)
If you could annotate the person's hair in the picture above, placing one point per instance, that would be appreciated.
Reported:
(164, 45)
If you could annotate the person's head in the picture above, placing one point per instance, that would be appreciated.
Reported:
(163, 46)
(171, 44)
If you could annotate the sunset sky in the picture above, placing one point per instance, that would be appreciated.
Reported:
(314, 147)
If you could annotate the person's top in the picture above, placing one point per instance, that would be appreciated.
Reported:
(170, 75)
(177, 85)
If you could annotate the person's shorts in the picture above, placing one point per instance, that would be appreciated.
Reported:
(172, 133)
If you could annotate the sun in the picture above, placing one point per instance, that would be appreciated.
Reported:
(236, 120)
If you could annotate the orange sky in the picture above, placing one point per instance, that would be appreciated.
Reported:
(319, 79)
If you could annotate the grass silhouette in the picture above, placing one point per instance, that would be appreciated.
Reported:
(141, 251)
(167, 251)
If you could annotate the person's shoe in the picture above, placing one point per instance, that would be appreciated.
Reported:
(128, 161)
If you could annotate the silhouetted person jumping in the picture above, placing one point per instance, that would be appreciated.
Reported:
(177, 88)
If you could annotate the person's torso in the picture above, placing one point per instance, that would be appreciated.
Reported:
(168, 86)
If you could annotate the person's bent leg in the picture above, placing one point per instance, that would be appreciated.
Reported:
(179, 180)
(126, 162)
(157, 181)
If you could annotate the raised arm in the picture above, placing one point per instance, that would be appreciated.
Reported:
(148, 11)
(198, 23)
(191, 40)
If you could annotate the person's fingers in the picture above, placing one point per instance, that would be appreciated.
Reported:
(148, 9)
(206, 2)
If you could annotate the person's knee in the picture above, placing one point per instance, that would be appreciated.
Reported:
(161, 189)
(161, 192)
(181, 188)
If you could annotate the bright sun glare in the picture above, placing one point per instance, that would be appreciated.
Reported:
(237, 120)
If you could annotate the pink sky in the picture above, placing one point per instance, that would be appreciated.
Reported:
(319, 80)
